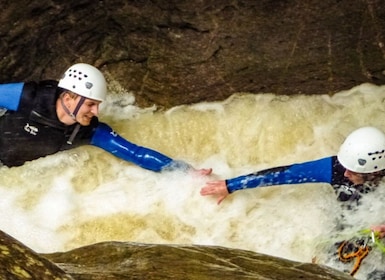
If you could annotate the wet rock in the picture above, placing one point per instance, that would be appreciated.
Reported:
(18, 262)
(122, 260)
(184, 51)
(125, 260)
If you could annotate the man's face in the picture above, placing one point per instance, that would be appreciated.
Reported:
(89, 109)
(354, 177)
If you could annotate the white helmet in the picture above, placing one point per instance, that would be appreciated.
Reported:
(363, 151)
(85, 80)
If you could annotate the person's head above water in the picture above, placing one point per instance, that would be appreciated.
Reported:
(85, 80)
(363, 154)
(84, 89)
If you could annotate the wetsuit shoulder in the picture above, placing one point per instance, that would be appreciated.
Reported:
(27, 97)
(338, 177)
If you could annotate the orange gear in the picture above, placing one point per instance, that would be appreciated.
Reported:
(348, 250)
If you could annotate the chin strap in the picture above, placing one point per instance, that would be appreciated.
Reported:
(73, 134)
(74, 113)
(73, 116)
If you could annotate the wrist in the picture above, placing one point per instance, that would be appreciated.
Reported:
(178, 165)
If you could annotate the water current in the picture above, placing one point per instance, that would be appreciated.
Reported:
(85, 195)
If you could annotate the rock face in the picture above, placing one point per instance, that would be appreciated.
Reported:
(19, 262)
(177, 51)
(120, 260)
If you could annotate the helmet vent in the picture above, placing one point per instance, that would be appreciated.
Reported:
(77, 74)
(85, 80)
(376, 153)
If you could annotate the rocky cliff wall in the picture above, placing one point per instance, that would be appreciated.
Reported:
(178, 52)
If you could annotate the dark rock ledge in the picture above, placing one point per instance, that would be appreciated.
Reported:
(186, 51)
(125, 260)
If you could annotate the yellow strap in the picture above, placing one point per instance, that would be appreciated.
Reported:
(377, 241)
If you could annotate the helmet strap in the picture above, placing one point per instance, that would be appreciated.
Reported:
(74, 113)
(80, 103)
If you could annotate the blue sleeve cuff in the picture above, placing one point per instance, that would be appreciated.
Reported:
(10, 95)
(318, 171)
(105, 138)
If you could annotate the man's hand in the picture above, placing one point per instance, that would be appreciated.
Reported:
(216, 188)
(380, 229)
(205, 171)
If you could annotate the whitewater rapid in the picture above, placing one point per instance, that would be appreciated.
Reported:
(85, 195)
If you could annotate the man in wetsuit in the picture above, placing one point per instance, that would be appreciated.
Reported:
(40, 119)
(359, 165)
(358, 168)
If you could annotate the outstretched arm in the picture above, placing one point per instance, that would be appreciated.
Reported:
(317, 171)
(107, 139)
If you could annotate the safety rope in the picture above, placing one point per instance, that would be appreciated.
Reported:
(349, 251)
(358, 248)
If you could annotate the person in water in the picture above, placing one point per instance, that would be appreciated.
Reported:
(357, 168)
(43, 118)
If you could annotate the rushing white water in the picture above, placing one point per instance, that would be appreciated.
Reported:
(86, 195)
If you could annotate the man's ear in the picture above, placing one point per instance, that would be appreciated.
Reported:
(68, 97)
(71, 95)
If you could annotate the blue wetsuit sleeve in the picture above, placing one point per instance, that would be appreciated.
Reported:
(107, 139)
(318, 171)
(10, 95)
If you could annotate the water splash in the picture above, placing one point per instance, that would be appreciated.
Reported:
(85, 195)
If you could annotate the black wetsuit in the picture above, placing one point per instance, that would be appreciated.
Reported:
(30, 129)
(34, 130)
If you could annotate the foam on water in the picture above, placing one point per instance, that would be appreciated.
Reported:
(85, 195)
